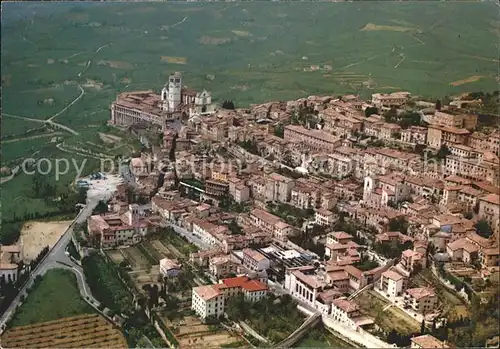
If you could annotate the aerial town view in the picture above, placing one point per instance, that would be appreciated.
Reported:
(240, 174)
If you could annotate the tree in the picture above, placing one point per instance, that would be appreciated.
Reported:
(101, 208)
(399, 224)
(279, 130)
(438, 104)
(443, 152)
(228, 105)
(391, 115)
(483, 228)
(422, 327)
(370, 111)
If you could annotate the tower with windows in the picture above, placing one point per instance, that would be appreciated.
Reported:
(171, 94)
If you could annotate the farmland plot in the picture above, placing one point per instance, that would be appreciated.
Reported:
(116, 256)
(137, 260)
(84, 331)
(192, 333)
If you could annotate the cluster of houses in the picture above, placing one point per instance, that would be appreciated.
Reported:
(328, 167)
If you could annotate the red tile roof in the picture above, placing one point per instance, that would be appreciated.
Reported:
(254, 286)
(235, 282)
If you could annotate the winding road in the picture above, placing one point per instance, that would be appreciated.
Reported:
(57, 258)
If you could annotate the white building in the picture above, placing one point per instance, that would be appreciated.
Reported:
(207, 302)
(345, 312)
(302, 286)
(171, 94)
(9, 257)
(169, 267)
(202, 105)
(392, 284)
(254, 260)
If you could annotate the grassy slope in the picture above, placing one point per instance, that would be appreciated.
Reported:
(57, 296)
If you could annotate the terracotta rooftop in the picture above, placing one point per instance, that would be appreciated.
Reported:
(427, 341)
(421, 292)
(346, 305)
(206, 292)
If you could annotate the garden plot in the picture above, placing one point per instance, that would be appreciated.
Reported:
(190, 332)
(116, 256)
(137, 260)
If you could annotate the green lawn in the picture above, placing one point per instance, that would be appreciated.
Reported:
(55, 297)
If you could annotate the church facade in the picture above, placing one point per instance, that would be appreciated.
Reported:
(150, 109)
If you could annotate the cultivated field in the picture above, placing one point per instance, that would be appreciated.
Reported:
(84, 331)
(37, 235)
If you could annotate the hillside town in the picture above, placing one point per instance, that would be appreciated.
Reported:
(332, 200)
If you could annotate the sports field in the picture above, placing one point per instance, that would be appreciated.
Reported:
(63, 63)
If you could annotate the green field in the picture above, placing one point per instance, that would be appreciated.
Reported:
(55, 297)
(247, 52)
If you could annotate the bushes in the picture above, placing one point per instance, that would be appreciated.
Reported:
(105, 284)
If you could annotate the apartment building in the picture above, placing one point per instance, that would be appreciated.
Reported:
(110, 231)
(209, 301)
(271, 224)
(390, 100)
(216, 188)
(424, 186)
(388, 131)
(209, 233)
(422, 300)
(305, 195)
(392, 283)
(252, 290)
(427, 341)
(303, 284)
(438, 135)
(414, 135)
(410, 259)
(454, 119)
(473, 169)
(222, 266)
(347, 313)
(254, 260)
(314, 139)
(384, 158)
(338, 237)
(464, 151)
(462, 250)
(324, 217)
(278, 187)
(489, 210)
(490, 142)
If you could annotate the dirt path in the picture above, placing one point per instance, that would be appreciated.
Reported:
(82, 92)
(53, 124)
(400, 61)
(180, 22)
(32, 137)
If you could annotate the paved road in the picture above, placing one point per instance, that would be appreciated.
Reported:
(57, 257)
